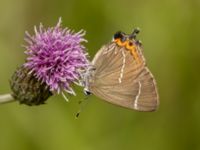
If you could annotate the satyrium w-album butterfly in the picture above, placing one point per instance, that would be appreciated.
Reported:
(118, 74)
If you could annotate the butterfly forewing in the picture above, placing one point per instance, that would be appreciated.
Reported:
(118, 79)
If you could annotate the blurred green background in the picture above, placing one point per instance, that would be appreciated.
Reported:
(170, 32)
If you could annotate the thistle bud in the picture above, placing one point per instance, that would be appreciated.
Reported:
(27, 89)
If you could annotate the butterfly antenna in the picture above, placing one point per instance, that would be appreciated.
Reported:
(83, 103)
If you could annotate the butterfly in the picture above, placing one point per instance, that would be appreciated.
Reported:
(119, 75)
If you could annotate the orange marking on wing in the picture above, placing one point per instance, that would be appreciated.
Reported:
(135, 55)
(120, 43)
(132, 48)
(129, 47)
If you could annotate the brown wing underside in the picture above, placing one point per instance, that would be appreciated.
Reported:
(137, 89)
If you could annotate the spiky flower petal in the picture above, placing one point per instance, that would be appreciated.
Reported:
(54, 56)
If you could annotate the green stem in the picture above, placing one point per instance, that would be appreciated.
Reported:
(6, 98)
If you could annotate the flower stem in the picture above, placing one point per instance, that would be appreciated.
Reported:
(6, 98)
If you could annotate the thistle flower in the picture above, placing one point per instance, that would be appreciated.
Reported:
(54, 56)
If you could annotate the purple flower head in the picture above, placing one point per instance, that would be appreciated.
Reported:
(55, 56)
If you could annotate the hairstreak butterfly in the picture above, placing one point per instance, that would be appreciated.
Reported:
(118, 74)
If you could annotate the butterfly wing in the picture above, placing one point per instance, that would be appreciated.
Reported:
(118, 79)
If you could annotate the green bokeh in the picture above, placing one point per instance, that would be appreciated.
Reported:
(170, 35)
